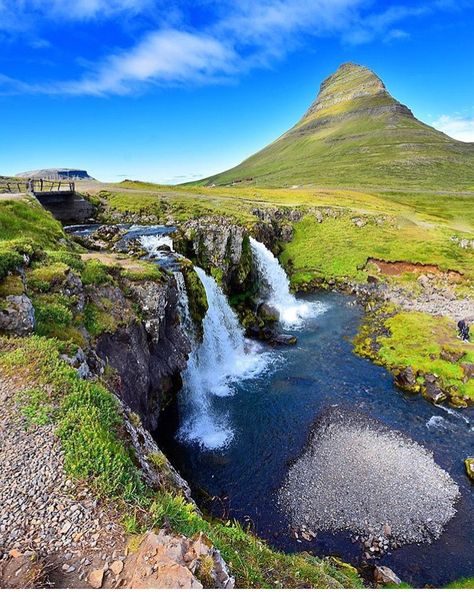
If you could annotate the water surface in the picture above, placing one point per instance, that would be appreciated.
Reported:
(271, 416)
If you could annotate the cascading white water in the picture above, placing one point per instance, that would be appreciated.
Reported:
(276, 287)
(223, 358)
(154, 243)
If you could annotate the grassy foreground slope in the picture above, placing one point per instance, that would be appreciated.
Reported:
(357, 135)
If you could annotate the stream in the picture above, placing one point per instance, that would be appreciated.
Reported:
(246, 411)
(271, 415)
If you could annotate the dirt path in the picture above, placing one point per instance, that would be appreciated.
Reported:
(43, 515)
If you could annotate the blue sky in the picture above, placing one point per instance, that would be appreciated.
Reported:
(177, 90)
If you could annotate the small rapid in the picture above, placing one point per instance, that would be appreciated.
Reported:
(222, 359)
(276, 289)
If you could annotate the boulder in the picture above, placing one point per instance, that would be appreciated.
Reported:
(406, 379)
(173, 561)
(432, 391)
(384, 575)
(268, 313)
(468, 369)
(283, 339)
(451, 355)
(17, 315)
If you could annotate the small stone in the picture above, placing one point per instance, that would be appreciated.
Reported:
(116, 567)
(96, 577)
(384, 575)
(66, 527)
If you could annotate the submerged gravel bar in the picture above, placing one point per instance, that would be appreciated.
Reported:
(358, 475)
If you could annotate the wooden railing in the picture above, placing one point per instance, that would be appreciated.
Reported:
(37, 186)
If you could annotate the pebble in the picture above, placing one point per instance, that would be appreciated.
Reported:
(358, 475)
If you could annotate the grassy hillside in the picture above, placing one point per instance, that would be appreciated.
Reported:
(357, 135)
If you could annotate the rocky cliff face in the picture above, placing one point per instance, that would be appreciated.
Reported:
(148, 354)
(128, 331)
(221, 248)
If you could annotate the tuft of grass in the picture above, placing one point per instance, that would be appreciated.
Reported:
(35, 406)
(95, 273)
(45, 278)
(465, 583)
(97, 320)
(12, 285)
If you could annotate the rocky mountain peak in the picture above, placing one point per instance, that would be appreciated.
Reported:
(349, 83)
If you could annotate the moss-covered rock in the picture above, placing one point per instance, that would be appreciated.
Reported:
(197, 298)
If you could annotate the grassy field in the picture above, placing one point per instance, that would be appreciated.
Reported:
(411, 226)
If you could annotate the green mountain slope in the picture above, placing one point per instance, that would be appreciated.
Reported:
(356, 134)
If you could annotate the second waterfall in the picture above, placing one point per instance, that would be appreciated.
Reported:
(223, 358)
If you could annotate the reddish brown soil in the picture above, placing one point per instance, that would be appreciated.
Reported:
(400, 267)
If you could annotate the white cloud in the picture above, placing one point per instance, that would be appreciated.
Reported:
(73, 9)
(167, 57)
(459, 128)
(238, 35)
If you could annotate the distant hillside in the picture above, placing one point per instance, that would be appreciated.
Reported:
(357, 134)
(57, 174)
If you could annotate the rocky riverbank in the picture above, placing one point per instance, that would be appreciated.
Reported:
(54, 531)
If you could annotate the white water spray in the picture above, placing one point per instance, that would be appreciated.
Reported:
(223, 358)
(154, 244)
(277, 289)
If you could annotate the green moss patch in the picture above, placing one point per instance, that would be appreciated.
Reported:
(197, 298)
(427, 344)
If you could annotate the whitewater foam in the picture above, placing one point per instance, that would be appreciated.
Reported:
(276, 289)
(154, 244)
(216, 365)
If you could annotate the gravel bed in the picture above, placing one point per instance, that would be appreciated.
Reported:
(358, 475)
(41, 510)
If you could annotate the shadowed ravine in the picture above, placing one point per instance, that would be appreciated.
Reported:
(271, 416)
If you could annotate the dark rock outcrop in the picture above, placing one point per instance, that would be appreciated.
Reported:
(148, 355)
(221, 248)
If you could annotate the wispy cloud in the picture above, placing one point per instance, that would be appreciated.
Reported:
(235, 36)
(460, 128)
(72, 9)
(168, 56)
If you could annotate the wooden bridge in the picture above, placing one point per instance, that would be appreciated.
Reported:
(39, 187)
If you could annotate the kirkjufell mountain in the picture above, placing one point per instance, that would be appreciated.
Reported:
(356, 134)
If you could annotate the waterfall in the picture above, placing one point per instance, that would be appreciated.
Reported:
(276, 289)
(223, 358)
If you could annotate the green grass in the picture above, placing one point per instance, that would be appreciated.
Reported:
(98, 319)
(87, 420)
(96, 273)
(25, 219)
(425, 343)
(465, 583)
(35, 407)
(337, 249)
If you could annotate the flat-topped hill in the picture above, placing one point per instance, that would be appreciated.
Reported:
(56, 174)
